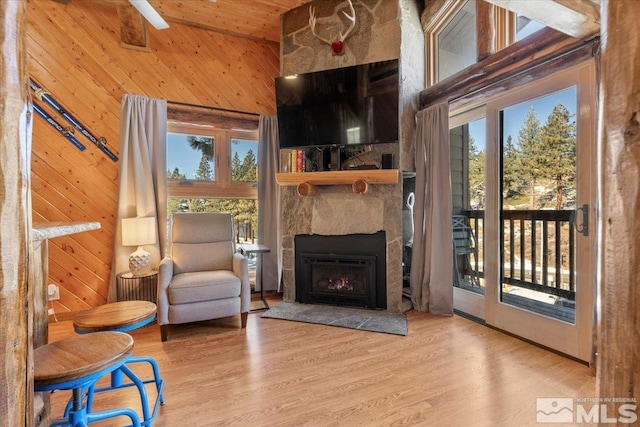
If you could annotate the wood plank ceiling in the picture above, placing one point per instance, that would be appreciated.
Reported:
(255, 19)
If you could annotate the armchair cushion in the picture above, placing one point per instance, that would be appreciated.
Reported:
(203, 286)
(190, 257)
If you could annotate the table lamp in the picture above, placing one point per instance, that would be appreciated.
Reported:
(138, 232)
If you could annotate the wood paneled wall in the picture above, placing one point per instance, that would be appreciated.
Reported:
(74, 52)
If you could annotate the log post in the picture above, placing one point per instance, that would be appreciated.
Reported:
(618, 344)
(486, 29)
(16, 313)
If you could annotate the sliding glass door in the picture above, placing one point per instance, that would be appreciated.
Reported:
(530, 212)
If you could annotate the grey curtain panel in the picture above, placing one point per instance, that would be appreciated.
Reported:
(142, 175)
(269, 224)
(432, 257)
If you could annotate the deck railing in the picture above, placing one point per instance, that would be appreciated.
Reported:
(538, 250)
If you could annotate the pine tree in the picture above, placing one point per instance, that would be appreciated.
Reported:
(476, 174)
(204, 172)
(236, 168)
(175, 174)
(558, 150)
(248, 168)
(203, 144)
(511, 179)
(529, 160)
(175, 204)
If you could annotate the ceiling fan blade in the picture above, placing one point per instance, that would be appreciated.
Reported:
(150, 14)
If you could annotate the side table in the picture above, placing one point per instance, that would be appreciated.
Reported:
(137, 288)
(260, 250)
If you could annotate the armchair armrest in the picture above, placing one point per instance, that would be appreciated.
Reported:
(241, 269)
(165, 274)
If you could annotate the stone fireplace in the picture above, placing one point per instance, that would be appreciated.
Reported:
(384, 30)
(341, 270)
(337, 211)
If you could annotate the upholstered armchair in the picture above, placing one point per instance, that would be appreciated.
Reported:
(202, 277)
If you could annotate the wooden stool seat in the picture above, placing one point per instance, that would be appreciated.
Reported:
(76, 364)
(79, 357)
(120, 316)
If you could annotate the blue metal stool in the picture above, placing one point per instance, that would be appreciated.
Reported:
(75, 364)
(124, 316)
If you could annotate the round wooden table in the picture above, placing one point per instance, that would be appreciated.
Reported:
(120, 316)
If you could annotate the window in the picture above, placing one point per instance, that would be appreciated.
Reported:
(526, 26)
(451, 41)
(457, 42)
(244, 160)
(212, 169)
(190, 157)
(210, 162)
(451, 38)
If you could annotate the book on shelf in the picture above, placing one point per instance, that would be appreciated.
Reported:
(298, 161)
(293, 160)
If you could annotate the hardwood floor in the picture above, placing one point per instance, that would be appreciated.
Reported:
(449, 371)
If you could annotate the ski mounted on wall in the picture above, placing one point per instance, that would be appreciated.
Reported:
(43, 95)
(66, 132)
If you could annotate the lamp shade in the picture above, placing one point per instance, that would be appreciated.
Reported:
(138, 231)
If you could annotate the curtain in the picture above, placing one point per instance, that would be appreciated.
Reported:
(432, 256)
(142, 187)
(269, 227)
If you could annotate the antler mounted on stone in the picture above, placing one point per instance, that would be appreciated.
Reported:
(337, 46)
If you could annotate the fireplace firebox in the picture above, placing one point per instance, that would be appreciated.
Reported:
(341, 270)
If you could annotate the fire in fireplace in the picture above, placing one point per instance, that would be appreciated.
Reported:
(341, 270)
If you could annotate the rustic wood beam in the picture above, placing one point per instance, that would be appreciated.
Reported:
(133, 26)
(527, 73)
(619, 255)
(537, 48)
(486, 29)
(205, 116)
(590, 9)
(577, 18)
(16, 312)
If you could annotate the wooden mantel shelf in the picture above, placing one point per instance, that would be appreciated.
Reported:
(358, 179)
(372, 176)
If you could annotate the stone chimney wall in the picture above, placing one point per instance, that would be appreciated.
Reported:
(336, 210)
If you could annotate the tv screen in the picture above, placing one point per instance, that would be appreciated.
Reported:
(343, 106)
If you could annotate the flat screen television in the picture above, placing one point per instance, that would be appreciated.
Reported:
(339, 107)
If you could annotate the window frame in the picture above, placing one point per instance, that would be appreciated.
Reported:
(504, 22)
(223, 187)
(431, 31)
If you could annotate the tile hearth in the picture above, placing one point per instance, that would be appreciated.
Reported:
(345, 317)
